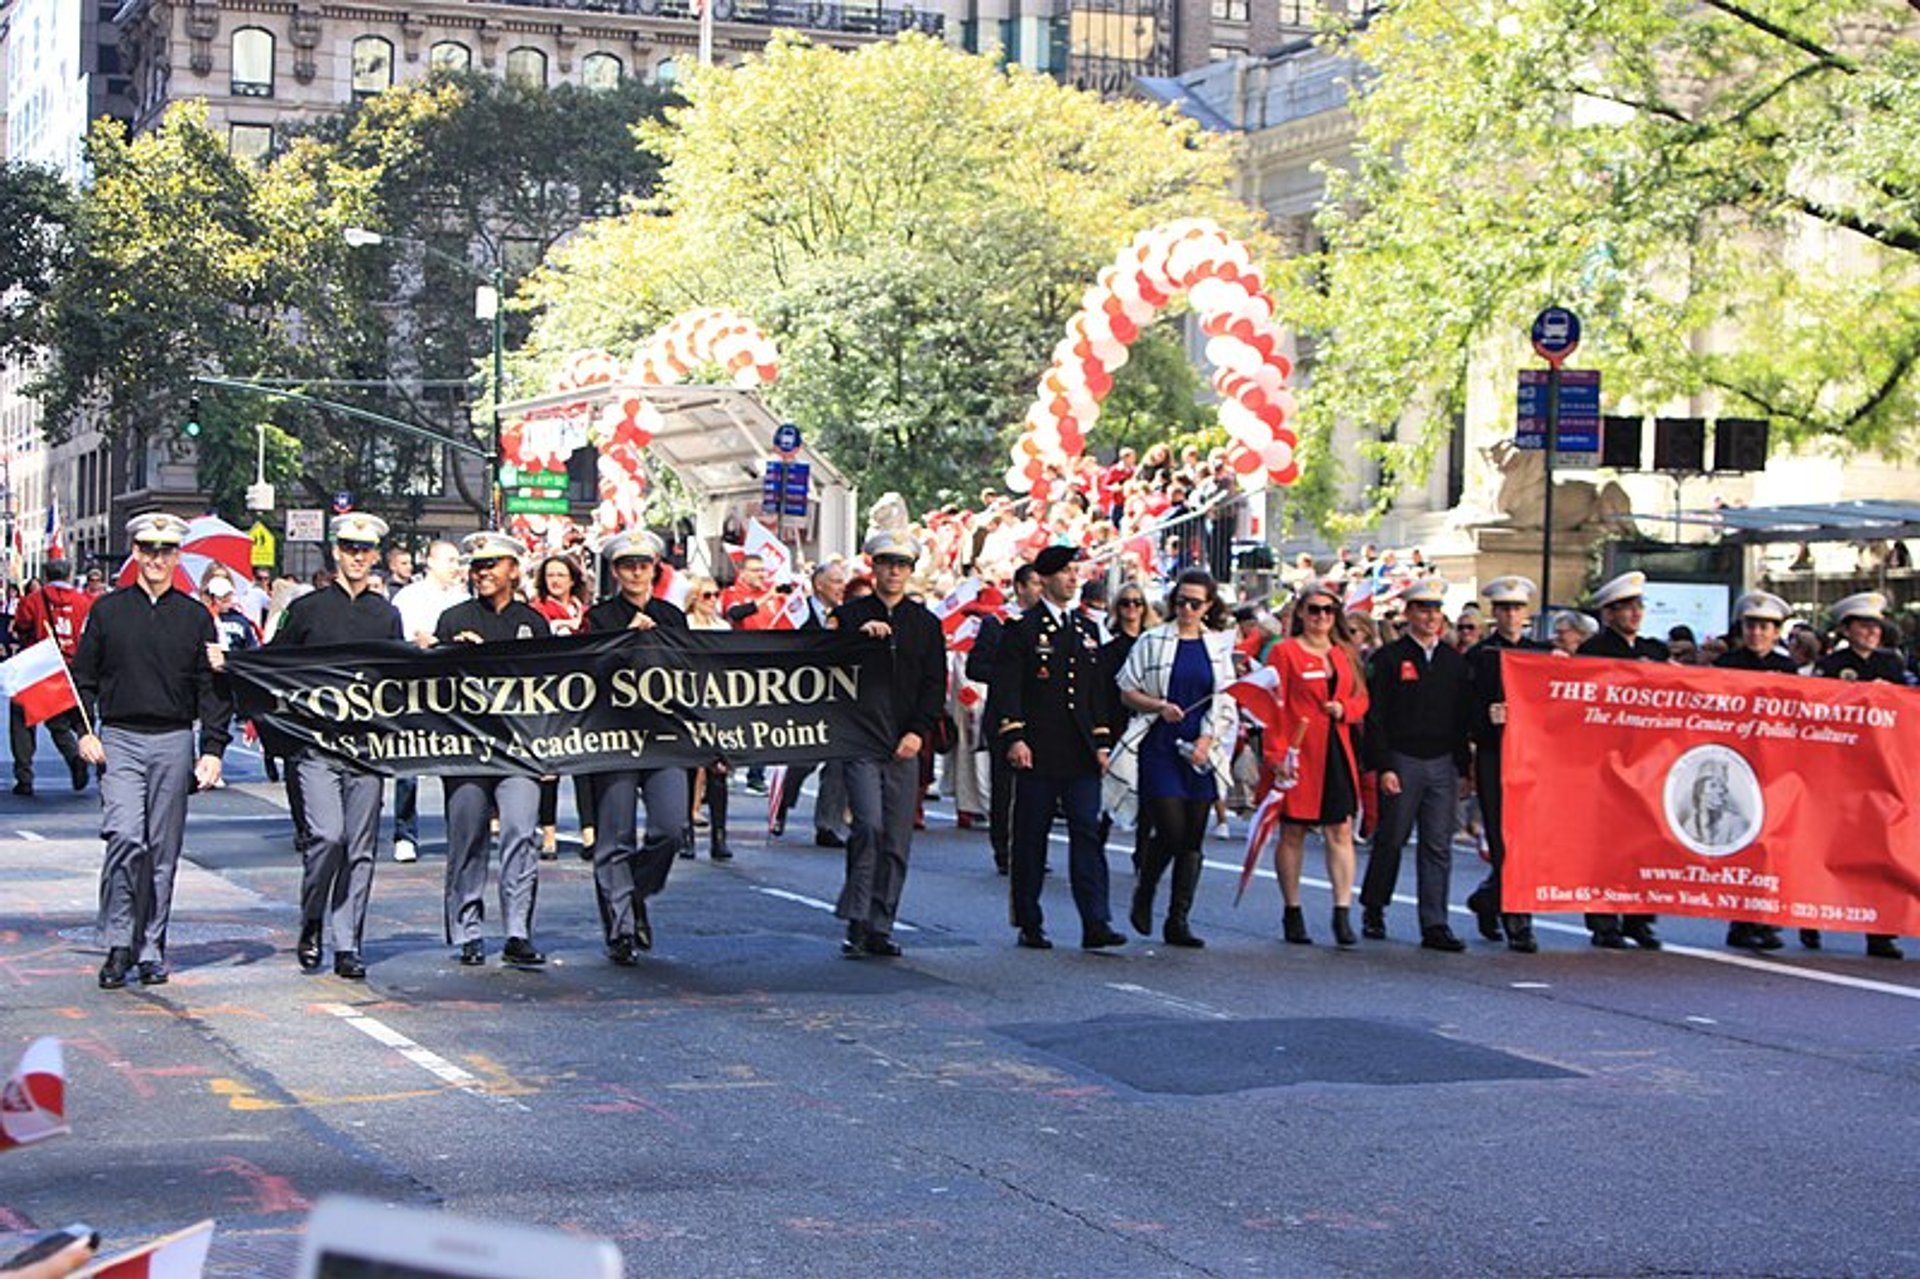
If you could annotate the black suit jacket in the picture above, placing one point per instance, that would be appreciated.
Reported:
(1048, 692)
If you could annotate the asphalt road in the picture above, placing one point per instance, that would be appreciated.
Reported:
(747, 1102)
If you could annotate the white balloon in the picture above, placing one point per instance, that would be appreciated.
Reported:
(1277, 455)
(1251, 481)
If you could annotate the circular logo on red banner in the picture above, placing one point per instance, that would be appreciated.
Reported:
(1713, 802)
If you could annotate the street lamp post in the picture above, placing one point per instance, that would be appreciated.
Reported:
(486, 306)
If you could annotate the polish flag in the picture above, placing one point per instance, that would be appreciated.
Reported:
(1258, 694)
(671, 585)
(33, 1103)
(180, 1255)
(210, 540)
(37, 680)
(56, 532)
(960, 639)
(772, 552)
(792, 615)
(1360, 598)
(952, 611)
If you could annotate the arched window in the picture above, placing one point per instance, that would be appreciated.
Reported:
(601, 71)
(664, 71)
(372, 65)
(252, 63)
(450, 55)
(527, 67)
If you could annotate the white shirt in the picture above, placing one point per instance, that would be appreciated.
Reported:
(422, 601)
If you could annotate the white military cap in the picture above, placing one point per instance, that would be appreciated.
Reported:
(632, 543)
(358, 526)
(157, 527)
(1627, 586)
(490, 544)
(1428, 590)
(1868, 604)
(891, 542)
(1512, 589)
(1761, 605)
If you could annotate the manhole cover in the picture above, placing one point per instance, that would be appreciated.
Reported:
(1198, 1058)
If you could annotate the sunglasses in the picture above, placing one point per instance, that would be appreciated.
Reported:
(1129, 603)
(487, 564)
(1320, 610)
(633, 561)
(357, 548)
(709, 595)
(1189, 601)
(155, 548)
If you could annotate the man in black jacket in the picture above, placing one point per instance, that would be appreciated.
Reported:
(882, 793)
(1055, 719)
(1416, 738)
(1622, 609)
(981, 663)
(1512, 599)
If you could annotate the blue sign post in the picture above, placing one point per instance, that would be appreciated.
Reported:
(1579, 411)
(772, 488)
(786, 439)
(1555, 336)
(799, 477)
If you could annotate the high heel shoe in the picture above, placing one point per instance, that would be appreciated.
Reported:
(1294, 925)
(1343, 928)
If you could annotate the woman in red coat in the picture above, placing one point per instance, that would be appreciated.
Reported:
(1324, 696)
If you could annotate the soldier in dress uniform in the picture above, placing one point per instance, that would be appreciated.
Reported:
(1512, 602)
(1622, 608)
(1757, 618)
(1861, 619)
(144, 675)
(496, 612)
(340, 805)
(1055, 720)
(627, 871)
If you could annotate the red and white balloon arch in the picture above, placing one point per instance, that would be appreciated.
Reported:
(1195, 257)
(622, 428)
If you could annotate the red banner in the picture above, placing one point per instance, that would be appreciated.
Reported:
(1637, 786)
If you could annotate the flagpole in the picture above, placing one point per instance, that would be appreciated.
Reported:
(79, 704)
(706, 32)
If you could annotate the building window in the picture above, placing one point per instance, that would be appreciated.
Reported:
(1229, 10)
(252, 63)
(449, 56)
(373, 65)
(1299, 13)
(1224, 53)
(250, 142)
(601, 71)
(664, 72)
(527, 67)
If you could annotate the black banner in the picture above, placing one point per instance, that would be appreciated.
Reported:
(581, 704)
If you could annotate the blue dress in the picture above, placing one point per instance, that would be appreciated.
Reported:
(1163, 774)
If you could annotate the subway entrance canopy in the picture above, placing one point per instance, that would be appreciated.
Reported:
(1858, 521)
(716, 440)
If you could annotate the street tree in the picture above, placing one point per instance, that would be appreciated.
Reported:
(35, 208)
(914, 225)
(1728, 191)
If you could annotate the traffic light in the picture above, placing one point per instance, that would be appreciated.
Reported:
(1680, 444)
(1620, 443)
(1740, 444)
(192, 429)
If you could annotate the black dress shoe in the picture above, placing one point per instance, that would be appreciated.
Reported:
(348, 965)
(520, 951)
(473, 953)
(1884, 947)
(1522, 940)
(1768, 937)
(882, 946)
(623, 951)
(1440, 938)
(1486, 913)
(153, 973)
(1373, 923)
(1743, 936)
(777, 827)
(25, 791)
(854, 944)
(308, 951)
(113, 973)
(828, 839)
(1610, 939)
(642, 926)
(1141, 916)
(1034, 939)
(1810, 938)
(720, 852)
(1182, 936)
(1641, 935)
(1101, 937)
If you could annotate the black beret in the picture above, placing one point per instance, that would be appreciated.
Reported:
(1053, 559)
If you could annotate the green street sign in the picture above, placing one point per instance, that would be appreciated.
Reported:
(537, 480)
(522, 504)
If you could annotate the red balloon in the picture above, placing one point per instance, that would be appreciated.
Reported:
(1243, 460)
(1288, 475)
(1100, 382)
(1282, 363)
(1125, 330)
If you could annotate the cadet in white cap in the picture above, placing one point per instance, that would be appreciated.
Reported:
(339, 805)
(1622, 609)
(1420, 713)
(495, 613)
(1511, 599)
(1859, 618)
(144, 674)
(626, 871)
(882, 792)
(1756, 619)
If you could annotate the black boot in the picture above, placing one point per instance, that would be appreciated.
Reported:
(1294, 925)
(1343, 927)
(1186, 883)
(1486, 911)
(717, 830)
(1151, 868)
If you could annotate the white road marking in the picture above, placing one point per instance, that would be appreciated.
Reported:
(33, 835)
(1192, 1006)
(817, 904)
(431, 1062)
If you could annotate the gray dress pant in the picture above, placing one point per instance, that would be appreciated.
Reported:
(1430, 794)
(625, 869)
(470, 806)
(342, 811)
(143, 802)
(882, 795)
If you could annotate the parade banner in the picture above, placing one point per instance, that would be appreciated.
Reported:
(1776, 799)
(581, 704)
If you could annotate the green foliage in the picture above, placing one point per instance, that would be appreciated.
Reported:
(1729, 195)
(913, 225)
(35, 209)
